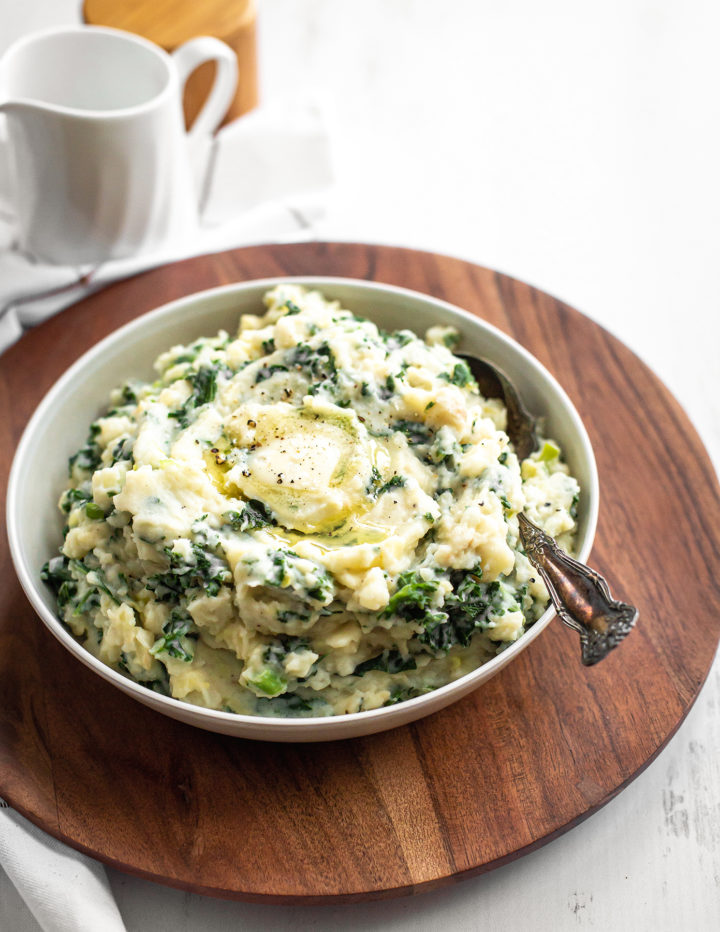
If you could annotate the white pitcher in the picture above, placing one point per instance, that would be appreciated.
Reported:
(97, 139)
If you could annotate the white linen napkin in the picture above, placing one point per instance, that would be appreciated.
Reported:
(267, 179)
(64, 890)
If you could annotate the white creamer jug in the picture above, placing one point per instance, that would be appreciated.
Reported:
(98, 147)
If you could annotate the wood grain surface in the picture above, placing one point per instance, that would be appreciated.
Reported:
(523, 759)
(170, 23)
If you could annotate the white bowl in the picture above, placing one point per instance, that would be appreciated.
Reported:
(59, 426)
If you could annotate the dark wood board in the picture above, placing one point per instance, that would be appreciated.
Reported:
(523, 759)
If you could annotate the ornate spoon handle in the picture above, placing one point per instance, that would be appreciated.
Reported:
(580, 595)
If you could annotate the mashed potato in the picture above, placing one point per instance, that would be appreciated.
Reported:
(313, 517)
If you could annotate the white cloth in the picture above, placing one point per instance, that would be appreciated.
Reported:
(64, 890)
(267, 178)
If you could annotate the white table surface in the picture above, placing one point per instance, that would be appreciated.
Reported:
(575, 146)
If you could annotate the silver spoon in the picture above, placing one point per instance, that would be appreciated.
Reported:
(580, 595)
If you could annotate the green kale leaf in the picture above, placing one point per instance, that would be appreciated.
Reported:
(254, 514)
(201, 570)
(179, 631)
(88, 457)
(389, 661)
(204, 390)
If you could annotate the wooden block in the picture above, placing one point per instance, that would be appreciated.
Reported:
(169, 23)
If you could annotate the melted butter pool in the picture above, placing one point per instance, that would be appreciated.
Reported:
(311, 466)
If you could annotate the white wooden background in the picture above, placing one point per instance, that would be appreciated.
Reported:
(575, 146)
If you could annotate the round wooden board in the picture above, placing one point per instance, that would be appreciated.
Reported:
(523, 759)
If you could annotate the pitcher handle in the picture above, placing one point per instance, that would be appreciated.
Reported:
(187, 58)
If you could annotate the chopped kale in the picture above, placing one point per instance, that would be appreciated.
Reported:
(204, 389)
(160, 684)
(178, 633)
(397, 338)
(374, 488)
(56, 573)
(88, 602)
(88, 457)
(322, 591)
(127, 395)
(293, 706)
(61, 574)
(389, 661)
(416, 432)
(284, 616)
(403, 693)
(468, 608)
(281, 568)
(460, 376)
(272, 679)
(375, 477)
(396, 482)
(204, 386)
(190, 354)
(387, 390)
(268, 346)
(286, 574)
(463, 611)
(96, 577)
(267, 372)
(254, 514)
(281, 646)
(74, 497)
(413, 600)
(201, 570)
(123, 450)
(443, 450)
(317, 364)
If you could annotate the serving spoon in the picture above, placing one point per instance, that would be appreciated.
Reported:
(580, 595)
